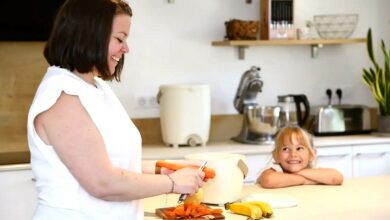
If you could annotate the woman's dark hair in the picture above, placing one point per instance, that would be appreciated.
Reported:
(81, 34)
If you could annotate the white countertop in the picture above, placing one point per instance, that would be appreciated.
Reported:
(155, 152)
(152, 152)
(362, 198)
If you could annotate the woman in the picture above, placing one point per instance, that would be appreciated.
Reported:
(292, 163)
(85, 151)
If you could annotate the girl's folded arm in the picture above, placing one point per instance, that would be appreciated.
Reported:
(326, 176)
(272, 179)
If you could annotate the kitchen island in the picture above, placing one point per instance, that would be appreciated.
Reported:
(362, 198)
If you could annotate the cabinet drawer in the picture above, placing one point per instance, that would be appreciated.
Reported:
(371, 160)
(339, 158)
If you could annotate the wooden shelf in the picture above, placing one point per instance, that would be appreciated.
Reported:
(314, 43)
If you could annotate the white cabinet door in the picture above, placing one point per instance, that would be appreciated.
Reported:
(337, 157)
(18, 197)
(256, 163)
(371, 160)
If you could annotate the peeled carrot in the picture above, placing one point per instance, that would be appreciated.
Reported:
(190, 210)
(209, 173)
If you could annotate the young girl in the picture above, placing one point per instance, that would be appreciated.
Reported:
(293, 157)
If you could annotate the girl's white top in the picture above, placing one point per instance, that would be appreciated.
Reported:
(60, 196)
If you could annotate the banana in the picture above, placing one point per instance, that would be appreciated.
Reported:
(246, 209)
(265, 207)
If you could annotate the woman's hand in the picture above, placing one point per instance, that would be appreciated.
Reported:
(187, 180)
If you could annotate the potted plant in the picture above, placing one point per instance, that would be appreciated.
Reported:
(377, 78)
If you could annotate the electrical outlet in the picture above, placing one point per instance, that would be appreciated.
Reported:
(147, 102)
(346, 93)
(141, 102)
(152, 102)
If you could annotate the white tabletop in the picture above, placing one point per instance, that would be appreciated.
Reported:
(362, 198)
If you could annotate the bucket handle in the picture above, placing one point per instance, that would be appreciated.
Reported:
(243, 167)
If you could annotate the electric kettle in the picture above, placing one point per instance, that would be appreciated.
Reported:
(291, 111)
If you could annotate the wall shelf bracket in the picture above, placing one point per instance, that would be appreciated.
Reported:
(315, 50)
(241, 52)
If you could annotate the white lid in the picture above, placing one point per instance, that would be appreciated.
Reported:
(184, 86)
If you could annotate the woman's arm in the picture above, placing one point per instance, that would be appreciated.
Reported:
(326, 176)
(272, 179)
(68, 128)
(149, 166)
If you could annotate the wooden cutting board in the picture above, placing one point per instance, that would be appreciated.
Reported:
(160, 213)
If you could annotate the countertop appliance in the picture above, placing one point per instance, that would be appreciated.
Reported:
(260, 123)
(230, 170)
(340, 120)
(291, 111)
(185, 114)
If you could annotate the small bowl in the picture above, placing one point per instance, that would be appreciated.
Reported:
(335, 26)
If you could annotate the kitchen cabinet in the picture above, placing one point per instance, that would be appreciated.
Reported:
(337, 157)
(256, 163)
(18, 197)
(356, 160)
(315, 44)
(371, 160)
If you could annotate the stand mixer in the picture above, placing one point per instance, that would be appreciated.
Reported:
(260, 123)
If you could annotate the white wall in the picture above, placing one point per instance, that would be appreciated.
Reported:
(171, 43)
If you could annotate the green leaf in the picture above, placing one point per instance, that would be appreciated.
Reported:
(370, 49)
(377, 78)
(386, 56)
(378, 91)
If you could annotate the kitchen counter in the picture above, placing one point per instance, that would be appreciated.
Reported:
(162, 151)
(155, 152)
(362, 198)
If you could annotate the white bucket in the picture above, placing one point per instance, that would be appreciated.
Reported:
(185, 114)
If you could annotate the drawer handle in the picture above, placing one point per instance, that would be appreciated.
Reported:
(381, 154)
(338, 155)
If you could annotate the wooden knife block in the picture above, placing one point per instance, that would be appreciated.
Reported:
(277, 19)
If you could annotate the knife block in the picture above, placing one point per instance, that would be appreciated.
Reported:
(277, 20)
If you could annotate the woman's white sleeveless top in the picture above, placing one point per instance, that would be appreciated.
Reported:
(60, 196)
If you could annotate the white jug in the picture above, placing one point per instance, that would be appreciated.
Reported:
(230, 170)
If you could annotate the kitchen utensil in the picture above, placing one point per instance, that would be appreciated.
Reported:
(184, 196)
(341, 120)
(230, 172)
(185, 114)
(291, 112)
(260, 124)
(250, 85)
(334, 26)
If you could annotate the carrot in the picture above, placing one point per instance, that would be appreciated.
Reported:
(209, 173)
(190, 210)
(179, 210)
